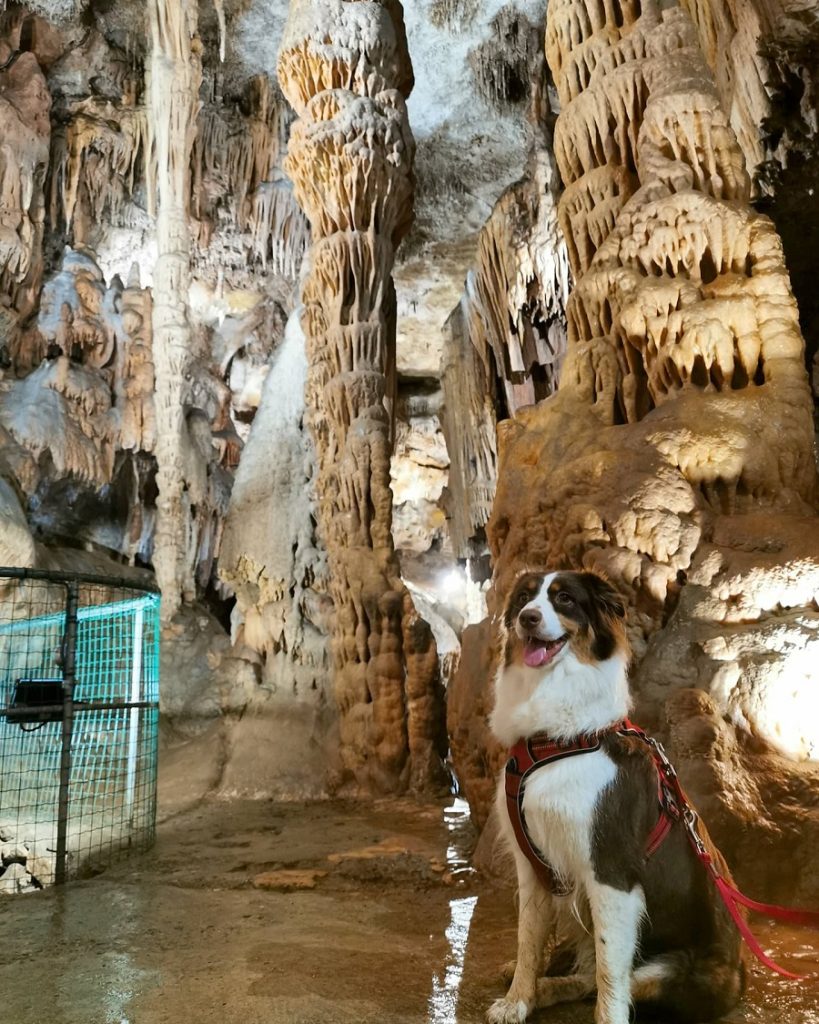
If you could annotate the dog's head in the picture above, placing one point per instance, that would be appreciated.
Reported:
(549, 614)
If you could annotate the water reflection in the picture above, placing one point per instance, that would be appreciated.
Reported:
(457, 821)
(446, 987)
(443, 1002)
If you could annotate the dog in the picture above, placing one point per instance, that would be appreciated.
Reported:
(645, 930)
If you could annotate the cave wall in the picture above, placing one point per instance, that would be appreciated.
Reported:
(660, 460)
(146, 281)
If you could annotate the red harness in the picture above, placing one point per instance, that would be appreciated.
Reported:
(527, 756)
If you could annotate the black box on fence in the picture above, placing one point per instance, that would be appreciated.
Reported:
(35, 701)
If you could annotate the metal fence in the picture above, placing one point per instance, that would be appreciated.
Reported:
(79, 710)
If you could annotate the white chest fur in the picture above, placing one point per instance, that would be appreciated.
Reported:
(570, 699)
(559, 802)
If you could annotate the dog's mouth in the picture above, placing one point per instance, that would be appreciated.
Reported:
(537, 652)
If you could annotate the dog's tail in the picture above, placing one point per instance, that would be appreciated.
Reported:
(690, 985)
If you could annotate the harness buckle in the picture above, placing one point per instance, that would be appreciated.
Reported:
(668, 768)
(690, 818)
(669, 801)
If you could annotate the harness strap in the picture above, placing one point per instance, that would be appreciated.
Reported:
(526, 757)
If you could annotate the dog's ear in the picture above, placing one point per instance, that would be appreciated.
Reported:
(605, 594)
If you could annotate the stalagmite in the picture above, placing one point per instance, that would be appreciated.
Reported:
(344, 67)
(271, 560)
(174, 78)
(660, 461)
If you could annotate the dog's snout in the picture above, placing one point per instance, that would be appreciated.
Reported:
(530, 618)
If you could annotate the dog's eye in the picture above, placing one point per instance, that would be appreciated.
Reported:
(561, 597)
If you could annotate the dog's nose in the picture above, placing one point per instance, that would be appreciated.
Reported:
(530, 618)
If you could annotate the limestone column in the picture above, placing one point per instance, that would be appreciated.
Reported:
(344, 67)
(175, 74)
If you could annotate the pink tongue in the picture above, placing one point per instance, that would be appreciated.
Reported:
(535, 655)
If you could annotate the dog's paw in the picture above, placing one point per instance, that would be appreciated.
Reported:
(507, 971)
(507, 1011)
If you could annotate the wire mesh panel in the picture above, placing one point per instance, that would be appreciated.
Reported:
(79, 707)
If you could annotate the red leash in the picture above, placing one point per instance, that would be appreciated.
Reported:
(729, 895)
(526, 756)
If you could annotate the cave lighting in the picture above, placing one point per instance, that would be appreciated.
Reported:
(452, 583)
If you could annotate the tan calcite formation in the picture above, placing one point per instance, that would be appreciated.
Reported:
(469, 423)
(507, 335)
(677, 455)
(135, 378)
(743, 41)
(516, 296)
(237, 158)
(25, 132)
(418, 476)
(344, 68)
(84, 394)
(731, 34)
(175, 74)
(101, 148)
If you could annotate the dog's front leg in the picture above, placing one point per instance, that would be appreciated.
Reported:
(535, 915)
(616, 920)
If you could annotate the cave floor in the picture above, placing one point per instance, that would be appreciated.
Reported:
(265, 913)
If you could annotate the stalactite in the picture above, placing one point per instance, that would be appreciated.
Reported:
(279, 231)
(241, 152)
(506, 341)
(103, 151)
(24, 142)
(516, 295)
(469, 423)
(219, 6)
(173, 90)
(345, 70)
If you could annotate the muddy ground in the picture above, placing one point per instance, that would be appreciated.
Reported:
(258, 913)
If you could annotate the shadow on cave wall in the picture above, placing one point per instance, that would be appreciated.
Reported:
(788, 180)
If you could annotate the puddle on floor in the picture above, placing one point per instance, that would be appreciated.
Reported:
(396, 929)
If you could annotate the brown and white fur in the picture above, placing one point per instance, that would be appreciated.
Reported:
(650, 931)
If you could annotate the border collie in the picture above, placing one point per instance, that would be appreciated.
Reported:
(646, 930)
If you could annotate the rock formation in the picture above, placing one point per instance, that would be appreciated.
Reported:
(506, 340)
(175, 76)
(25, 130)
(660, 459)
(345, 69)
(271, 559)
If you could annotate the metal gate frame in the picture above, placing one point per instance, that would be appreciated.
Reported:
(68, 710)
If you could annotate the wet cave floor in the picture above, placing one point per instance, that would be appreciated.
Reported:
(261, 913)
